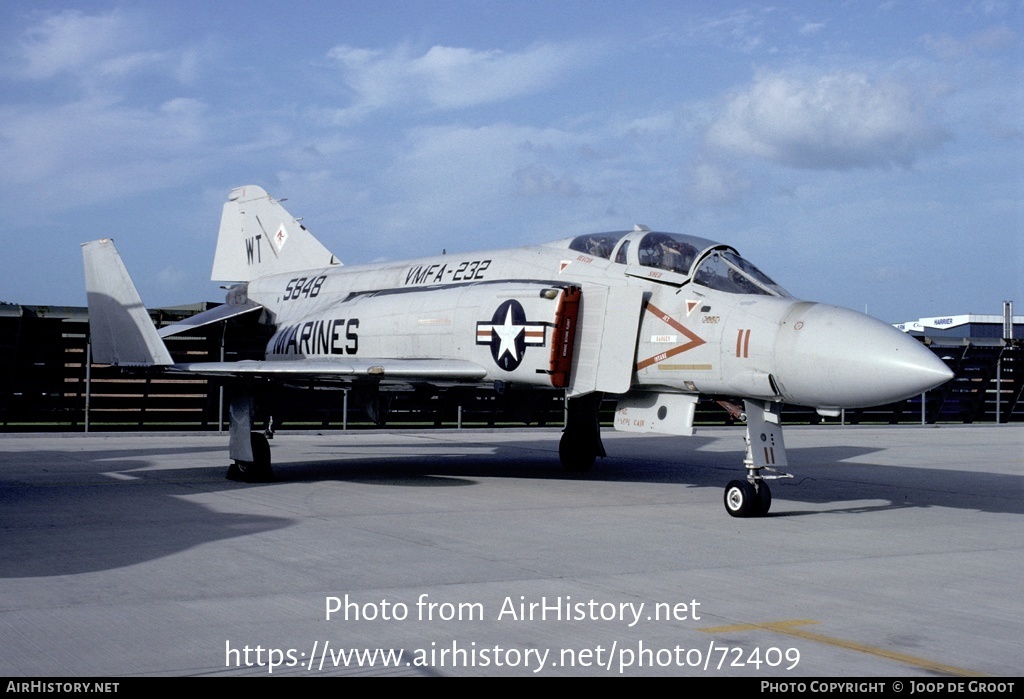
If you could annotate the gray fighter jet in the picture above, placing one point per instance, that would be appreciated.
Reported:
(655, 319)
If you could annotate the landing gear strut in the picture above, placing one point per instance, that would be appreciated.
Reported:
(256, 470)
(764, 451)
(581, 439)
(249, 449)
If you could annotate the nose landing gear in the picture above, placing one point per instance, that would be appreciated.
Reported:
(765, 450)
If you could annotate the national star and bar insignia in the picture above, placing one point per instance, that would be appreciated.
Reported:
(509, 334)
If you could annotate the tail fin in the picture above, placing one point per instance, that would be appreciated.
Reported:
(259, 237)
(121, 329)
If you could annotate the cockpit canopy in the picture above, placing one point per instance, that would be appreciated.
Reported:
(699, 260)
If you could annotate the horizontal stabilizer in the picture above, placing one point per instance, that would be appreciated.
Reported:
(214, 315)
(120, 328)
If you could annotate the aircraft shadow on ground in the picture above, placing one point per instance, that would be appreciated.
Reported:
(85, 520)
(831, 475)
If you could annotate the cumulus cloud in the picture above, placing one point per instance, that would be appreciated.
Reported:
(838, 121)
(448, 77)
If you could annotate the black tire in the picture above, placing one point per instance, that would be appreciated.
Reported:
(576, 455)
(764, 496)
(741, 499)
(258, 470)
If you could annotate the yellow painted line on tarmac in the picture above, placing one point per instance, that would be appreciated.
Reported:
(792, 628)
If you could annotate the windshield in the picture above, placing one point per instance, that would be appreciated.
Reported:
(725, 270)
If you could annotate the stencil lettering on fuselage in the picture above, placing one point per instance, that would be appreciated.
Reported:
(317, 337)
(692, 340)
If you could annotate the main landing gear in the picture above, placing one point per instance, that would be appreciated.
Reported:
(581, 439)
(257, 469)
(249, 449)
(764, 451)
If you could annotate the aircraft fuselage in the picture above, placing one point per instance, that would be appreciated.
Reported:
(688, 338)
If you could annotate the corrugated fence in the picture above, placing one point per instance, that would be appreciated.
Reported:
(48, 384)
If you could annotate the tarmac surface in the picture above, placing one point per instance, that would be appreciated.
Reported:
(895, 551)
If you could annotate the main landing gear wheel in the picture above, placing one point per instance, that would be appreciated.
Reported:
(258, 470)
(743, 499)
(576, 455)
(581, 440)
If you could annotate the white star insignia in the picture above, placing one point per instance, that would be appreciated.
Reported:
(507, 334)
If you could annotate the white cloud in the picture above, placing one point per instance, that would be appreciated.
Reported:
(837, 121)
(474, 185)
(987, 41)
(112, 136)
(93, 150)
(539, 181)
(478, 186)
(447, 77)
(741, 30)
(446, 169)
(97, 52)
(712, 184)
(71, 42)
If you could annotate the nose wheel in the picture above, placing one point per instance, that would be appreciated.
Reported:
(746, 499)
(765, 451)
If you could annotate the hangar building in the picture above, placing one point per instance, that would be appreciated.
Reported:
(971, 327)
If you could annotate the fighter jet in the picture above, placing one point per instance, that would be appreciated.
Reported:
(656, 320)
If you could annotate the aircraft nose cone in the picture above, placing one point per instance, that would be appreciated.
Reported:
(834, 357)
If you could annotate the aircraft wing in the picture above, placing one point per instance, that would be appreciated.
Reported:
(341, 369)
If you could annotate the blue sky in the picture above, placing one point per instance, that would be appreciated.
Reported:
(865, 154)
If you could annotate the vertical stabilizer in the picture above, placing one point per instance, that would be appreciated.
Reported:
(120, 327)
(259, 237)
